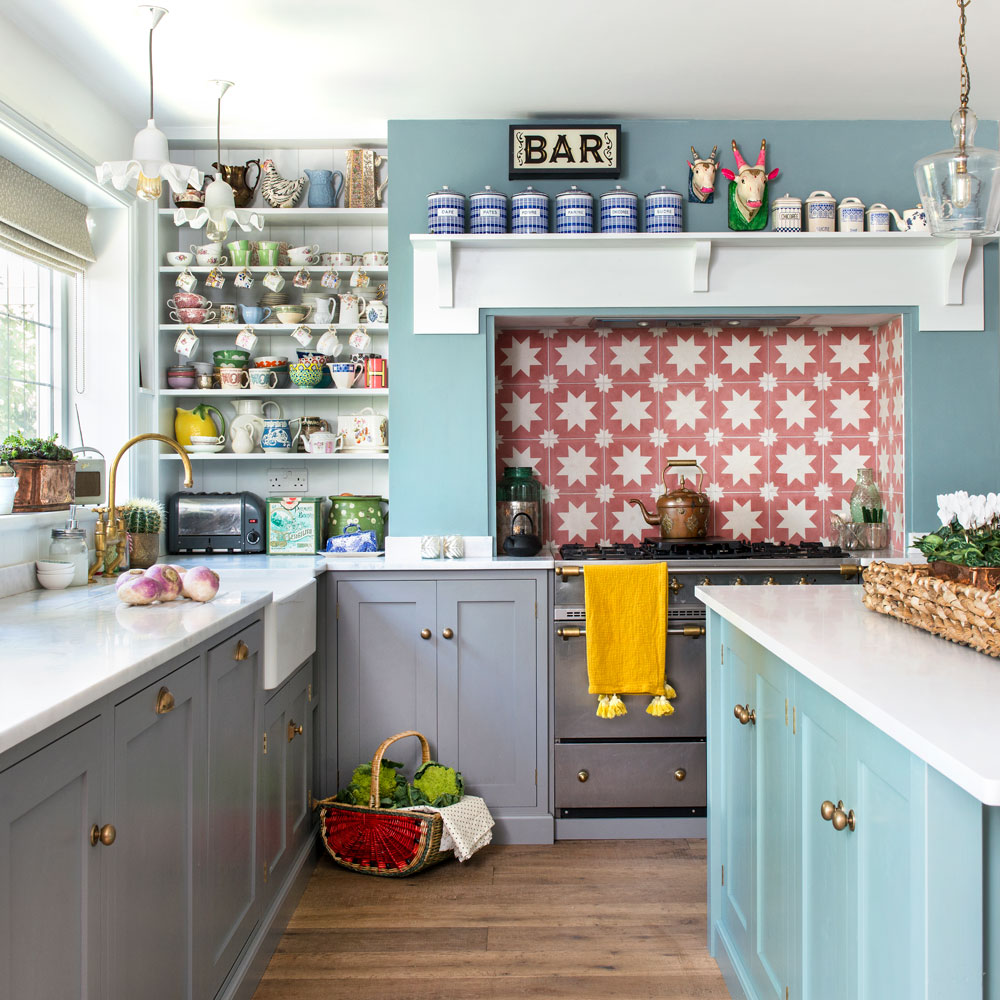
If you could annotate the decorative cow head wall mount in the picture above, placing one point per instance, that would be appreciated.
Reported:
(748, 191)
(701, 176)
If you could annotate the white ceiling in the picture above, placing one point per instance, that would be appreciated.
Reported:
(329, 69)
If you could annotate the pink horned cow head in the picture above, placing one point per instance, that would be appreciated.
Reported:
(702, 178)
(750, 183)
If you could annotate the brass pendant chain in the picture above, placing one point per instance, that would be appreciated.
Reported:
(962, 51)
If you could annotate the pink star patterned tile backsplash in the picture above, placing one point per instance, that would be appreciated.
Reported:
(780, 419)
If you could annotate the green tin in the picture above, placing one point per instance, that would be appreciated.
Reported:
(350, 514)
(294, 525)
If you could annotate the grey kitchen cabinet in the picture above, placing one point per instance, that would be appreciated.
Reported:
(286, 774)
(456, 658)
(228, 909)
(158, 810)
(51, 912)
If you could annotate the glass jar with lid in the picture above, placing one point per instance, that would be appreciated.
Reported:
(69, 544)
(519, 492)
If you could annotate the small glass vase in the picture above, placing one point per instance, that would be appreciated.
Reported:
(866, 501)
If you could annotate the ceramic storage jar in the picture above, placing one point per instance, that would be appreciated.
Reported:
(786, 214)
(487, 211)
(574, 211)
(445, 212)
(529, 211)
(664, 211)
(619, 211)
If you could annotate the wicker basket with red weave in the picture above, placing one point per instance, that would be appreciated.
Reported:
(376, 841)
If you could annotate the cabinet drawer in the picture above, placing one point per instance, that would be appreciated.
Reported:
(629, 775)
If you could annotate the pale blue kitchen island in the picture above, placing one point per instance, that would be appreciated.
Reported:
(814, 699)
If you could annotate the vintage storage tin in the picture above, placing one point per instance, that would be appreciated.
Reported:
(488, 211)
(619, 211)
(821, 212)
(664, 211)
(786, 214)
(445, 212)
(851, 215)
(529, 211)
(574, 211)
(294, 525)
(878, 218)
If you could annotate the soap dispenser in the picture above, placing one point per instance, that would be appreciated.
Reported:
(69, 544)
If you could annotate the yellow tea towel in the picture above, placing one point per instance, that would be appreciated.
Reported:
(626, 609)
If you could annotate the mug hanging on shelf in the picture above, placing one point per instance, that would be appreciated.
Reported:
(303, 335)
(246, 338)
(187, 343)
(302, 279)
(359, 340)
(243, 279)
(186, 281)
(360, 279)
(215, 278)
(330, 279)
(274, 281)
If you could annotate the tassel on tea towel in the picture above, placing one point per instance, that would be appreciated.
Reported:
(626, 609)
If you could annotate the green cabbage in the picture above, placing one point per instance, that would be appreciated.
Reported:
(358, 792)
(438, 785)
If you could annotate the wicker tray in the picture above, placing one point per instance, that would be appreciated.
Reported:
(375, 841)
(955, 611)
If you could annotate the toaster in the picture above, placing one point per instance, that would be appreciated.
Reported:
(215, 522)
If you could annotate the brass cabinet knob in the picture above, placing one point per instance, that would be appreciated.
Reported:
(680, 774)
(745, 714)
(164, 701)
(293, 731)
(835, 814)
(582, 775)
(242, 651)
(771, 582)
(827, 809)
(705, 581)
(448, 634)
(803, 582)
(739, 581)
(425, 633)
(675, 586)
(103, 834)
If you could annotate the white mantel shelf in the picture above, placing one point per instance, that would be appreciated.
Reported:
(456, 276)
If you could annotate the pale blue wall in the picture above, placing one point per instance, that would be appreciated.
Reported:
(440, 472)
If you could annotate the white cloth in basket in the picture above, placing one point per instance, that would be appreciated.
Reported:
(468, 826)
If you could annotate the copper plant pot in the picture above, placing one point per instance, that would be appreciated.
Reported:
(43, 484)
(144, 549)
(983, 577)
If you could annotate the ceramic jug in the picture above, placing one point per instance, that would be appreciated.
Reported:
(277, 434)
(236, 178)
(323, 308)
(351, 307)
(241, 439)
(912, 220)
(197, 421)
(323, 188)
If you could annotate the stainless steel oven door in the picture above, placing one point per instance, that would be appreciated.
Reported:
(575, 707)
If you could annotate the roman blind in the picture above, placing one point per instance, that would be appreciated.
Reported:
(41, 223)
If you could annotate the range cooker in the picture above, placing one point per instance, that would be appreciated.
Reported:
(638, 765)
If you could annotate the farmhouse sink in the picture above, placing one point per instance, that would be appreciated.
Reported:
(289, 620)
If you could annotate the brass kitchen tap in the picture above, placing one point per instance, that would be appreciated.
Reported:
(110, 527)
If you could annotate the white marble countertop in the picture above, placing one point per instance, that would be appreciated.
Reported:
(64, 649)
(939, 700)
(352, 563)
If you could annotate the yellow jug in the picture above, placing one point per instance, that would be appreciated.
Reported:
(197, 421)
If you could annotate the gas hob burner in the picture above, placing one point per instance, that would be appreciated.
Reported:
(701, 548)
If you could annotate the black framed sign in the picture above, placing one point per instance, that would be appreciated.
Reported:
(565, 151)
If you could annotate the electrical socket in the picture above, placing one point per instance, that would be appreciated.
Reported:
(289, 482)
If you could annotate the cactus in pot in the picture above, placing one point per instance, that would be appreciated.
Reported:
(143, 520)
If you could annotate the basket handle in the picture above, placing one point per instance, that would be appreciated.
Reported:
(425, 756)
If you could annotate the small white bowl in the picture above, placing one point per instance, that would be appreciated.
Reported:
(54, 575)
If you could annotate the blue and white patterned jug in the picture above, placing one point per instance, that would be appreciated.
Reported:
(277, 434)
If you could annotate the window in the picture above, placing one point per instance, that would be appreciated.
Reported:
(34, 302)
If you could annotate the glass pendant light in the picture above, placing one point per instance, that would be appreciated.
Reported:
(960, 187)
(150, 163)
(219, 211)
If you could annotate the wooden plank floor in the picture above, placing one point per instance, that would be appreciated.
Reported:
(617, 920)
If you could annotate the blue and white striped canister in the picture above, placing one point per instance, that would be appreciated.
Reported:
(619, 211)
(529, 211)
(445, 212)
(664, 211)
(488, 211)
(574, 211)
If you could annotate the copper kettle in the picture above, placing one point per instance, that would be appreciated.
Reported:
(680, 512)
(236, 178)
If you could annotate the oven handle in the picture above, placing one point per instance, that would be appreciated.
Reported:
(566, 632)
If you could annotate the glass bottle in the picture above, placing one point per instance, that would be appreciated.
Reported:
(866, 497)
(519, 492)
(69, 544)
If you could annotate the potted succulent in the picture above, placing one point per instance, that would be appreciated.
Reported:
(143, 519)
(966, 547)
(46, 472)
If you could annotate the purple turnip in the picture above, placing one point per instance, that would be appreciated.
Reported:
(168, 579)
(128, 576)
(139, 590)
(201, 583)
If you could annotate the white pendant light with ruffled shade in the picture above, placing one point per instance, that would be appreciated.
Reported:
(150, 164)
(960, 187)
(219, 211)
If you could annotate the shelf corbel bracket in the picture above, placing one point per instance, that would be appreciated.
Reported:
(701, 258)
(956, 259)
(445, 275)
